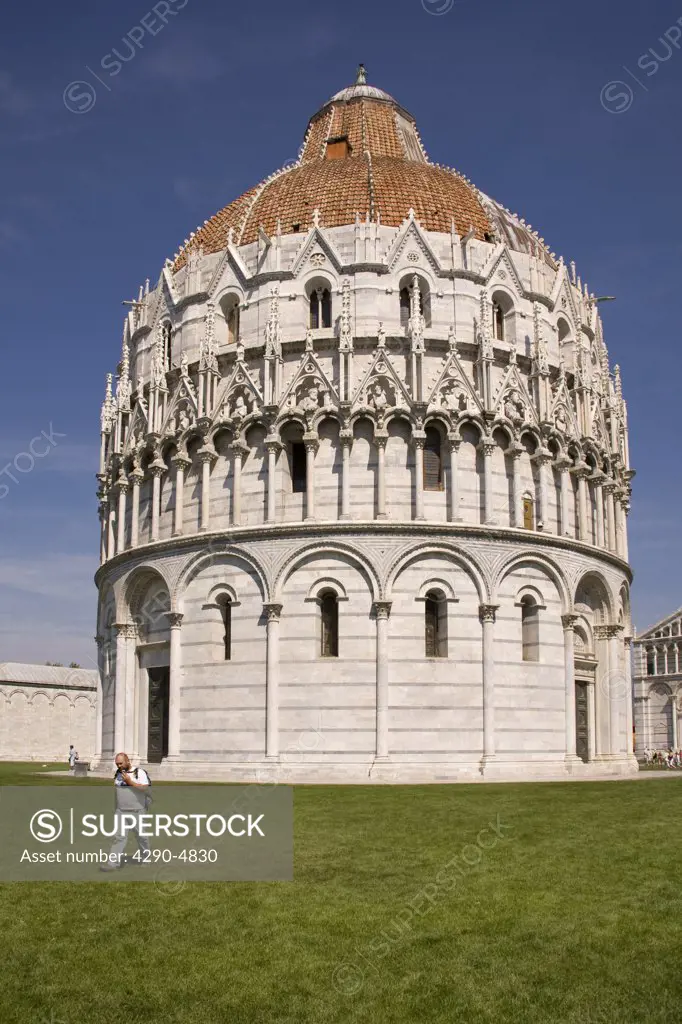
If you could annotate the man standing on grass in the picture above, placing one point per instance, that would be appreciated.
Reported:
(132, 798)
(73, 757)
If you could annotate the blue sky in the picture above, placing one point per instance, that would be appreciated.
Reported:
(513, 94)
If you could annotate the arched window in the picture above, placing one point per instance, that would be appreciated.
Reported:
(298, 467)
(404, 307)
(433, 463)
(329, 620)
(320, 308)
(225, 605)
(650, 662)
(530, 629)
(233, 323)
(498, 322)
(435, 625)
(528, 514)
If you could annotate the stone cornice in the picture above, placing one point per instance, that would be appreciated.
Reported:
(303, 531)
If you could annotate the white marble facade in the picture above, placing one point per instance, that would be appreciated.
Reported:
(391, 548)
(658, 685)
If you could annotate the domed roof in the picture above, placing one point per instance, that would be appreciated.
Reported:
(362, 155)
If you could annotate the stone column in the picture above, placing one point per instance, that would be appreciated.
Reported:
(455, 444)
(174, 724)
(137, 476)
(182, 464)
(103, 521)
(419, 440)
(597, 481)
(126, 634)
(609, 490)
(101, 665)
(157, 469)
(563, 464)
(273, 447)
(111, 537)
(615, 688)
(542, 458)
(627, 641)
(488, 448)
(673, 703)
(380, 441)
(382, 610)
(312, 444)
(273, 613)
(239, 453)
(346, 440)
(568, 622)
(208, 456)
(592, 708)
(515, 453)
(487, 617)
(122, 486)
(580, 471)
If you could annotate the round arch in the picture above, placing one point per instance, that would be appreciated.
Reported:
(540, 562)
(292, 561)
(460, 558)
(202, 559)
(594, 588)
(132, 586)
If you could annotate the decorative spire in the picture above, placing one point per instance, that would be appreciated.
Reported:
(158, 367)
(417, 323)
(208, 359)
(123, 383)
(108, 407)
(346, 334)
(273, 329)
(541, 354)
(362, 75)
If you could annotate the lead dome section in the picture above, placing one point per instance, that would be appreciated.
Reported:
(364, 486)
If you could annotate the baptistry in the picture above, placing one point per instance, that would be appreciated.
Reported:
(363, 486)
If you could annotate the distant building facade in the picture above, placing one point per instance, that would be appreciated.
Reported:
(658, 685)
(43, 709)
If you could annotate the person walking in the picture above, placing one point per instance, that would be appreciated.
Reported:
(132, 798)
(73, 757)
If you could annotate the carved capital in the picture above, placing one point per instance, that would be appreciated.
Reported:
(137, 476)
(174, 619)
(455, 443)
(158, 468)
(487, 612)
(126, 630)
(311, 441)
(381, 438)
(569, 622)
(208, 455)
(610, 486)
(581, 470)
(608, 632)
(346, 438)
(542, 457)
(273, 445)
(272, 611)
(239, 450)
(382, 609)
(181, 461)
(488, 448)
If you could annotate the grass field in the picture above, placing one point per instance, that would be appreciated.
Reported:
(533, 903)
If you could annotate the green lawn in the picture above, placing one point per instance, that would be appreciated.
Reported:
(571, 913)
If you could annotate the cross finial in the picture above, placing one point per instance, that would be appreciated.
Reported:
(362, 75)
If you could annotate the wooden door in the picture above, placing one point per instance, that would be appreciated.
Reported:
(157, 722)
(582, 727)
